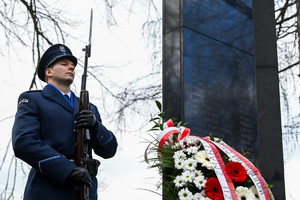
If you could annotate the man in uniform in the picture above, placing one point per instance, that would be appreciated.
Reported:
(44, 132)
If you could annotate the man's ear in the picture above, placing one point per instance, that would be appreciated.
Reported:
(48, 72)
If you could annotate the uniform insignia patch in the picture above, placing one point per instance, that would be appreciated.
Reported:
(24, 101)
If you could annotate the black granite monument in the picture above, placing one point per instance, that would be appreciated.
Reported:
(220, 75)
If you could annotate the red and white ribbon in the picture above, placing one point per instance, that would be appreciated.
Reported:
(217, 161)
(219, 167)
(252, 171)
(170, 130)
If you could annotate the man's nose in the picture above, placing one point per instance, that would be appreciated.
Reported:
(71, 67)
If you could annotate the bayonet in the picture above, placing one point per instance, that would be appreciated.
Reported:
(87, 50)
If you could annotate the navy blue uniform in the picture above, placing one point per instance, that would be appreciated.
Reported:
(44, 137)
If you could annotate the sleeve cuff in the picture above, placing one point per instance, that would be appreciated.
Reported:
(57, 168)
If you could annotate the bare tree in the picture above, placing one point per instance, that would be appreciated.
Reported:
(288, 32)
(35, 24)
(142, 91)
(32, 24)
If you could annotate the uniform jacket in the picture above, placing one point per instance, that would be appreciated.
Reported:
(44, 136)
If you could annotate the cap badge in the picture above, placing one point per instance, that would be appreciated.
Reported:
(62, 48)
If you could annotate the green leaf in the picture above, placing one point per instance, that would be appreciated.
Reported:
(153, 119)
(185, 124)
(156, 125)
(174, 119)
(168, 110)
(162, 114)
(161, 127)
(158, 104)
(211, 137)
(178, 125)
(154, 129)
(270, 186)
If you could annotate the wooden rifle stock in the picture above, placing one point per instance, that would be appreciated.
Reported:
(83, 138)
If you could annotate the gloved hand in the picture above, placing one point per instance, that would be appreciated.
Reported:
(87, 119)
(80, 176)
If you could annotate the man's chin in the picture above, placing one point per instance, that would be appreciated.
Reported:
(70, 81)
(67, 82)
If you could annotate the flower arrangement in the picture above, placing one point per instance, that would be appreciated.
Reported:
(201, 168)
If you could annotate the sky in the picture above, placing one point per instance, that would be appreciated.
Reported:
(125, 176)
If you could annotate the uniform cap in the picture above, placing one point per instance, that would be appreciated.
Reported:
(52, 54)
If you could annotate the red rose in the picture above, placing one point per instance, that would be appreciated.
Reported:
(236, 172)
(213, 189)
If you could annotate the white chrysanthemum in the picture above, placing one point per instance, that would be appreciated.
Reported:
(185, 194)
(199, 196)
(202, 158)
(203, 194)
(179, 182)
(200, 181)
(198, 173)
(244, 193)
(179, 163)
(255, 192)
(187, 176)
(179, 155)
(189, 141)
(190, 164)
(191, 150)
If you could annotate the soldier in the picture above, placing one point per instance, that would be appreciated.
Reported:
(44, 132)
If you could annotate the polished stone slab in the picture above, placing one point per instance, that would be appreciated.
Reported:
(219, 91)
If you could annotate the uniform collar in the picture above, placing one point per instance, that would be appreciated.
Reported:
(54, 94)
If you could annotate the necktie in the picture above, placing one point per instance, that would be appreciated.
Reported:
(67, 96)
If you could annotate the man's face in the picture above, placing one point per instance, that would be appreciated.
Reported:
(62, 72)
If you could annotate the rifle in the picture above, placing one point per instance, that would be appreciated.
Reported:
(83, 137)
